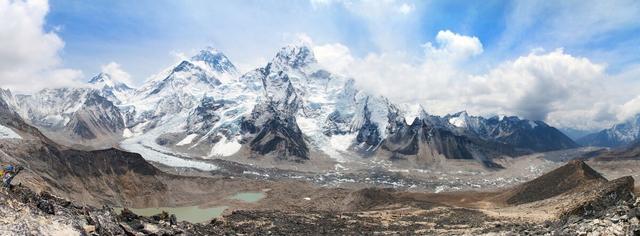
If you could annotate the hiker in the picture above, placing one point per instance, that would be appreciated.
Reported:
(8, 173)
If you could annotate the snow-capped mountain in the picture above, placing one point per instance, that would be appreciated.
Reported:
(618, 135)
(522, 134)
(290, 109)
(71, 115)
(115, 91)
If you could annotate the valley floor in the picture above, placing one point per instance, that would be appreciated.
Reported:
(612, 210)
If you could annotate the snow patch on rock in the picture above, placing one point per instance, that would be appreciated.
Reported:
(7, 133)
(187, 140)
(225, 148)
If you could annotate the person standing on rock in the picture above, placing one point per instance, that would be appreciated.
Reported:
(9, 172)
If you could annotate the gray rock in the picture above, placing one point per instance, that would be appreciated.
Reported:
(615, 219)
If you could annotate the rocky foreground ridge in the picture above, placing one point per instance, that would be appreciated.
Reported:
(582, 203)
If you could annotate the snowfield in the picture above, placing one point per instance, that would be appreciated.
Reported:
(6, 133)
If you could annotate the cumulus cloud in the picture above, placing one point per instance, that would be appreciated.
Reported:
(335, 57)
(116, 73)
(554, 86)
(453, 47)
(629, 109)
(29, 55)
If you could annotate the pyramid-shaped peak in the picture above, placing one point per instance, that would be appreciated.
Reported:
(216, 60)
(106, 80)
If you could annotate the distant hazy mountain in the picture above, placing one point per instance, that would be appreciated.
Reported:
(575, 134)
(618, 135)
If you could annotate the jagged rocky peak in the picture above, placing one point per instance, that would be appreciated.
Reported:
(293, 56)
(412, 112)
(9, 99)
(216, 60)
(460, 119)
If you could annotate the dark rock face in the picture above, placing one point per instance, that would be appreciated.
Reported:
(204, 116)
(404, 139)
(432, 133)
(104, 162)
(271, 127)
(281, 138)
(541, 138)
(368, 132)
(605, 197)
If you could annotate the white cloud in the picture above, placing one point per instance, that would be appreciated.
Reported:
(405, 8)
(116, 73)
(29, 55)
(453, 47)
(556, 87)
(629, 109)
(335, 57)
(564, 90)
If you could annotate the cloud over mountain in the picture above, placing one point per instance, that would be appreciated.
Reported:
(553, 86)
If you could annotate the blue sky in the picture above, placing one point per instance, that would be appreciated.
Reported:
(142, 35)
(573, 63)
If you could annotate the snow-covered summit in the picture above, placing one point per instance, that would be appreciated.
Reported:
(105, 80)
(293, 56)
(116, 91)
(216, 60)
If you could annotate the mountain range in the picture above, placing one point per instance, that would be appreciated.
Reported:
(622, 134)
(290, 109)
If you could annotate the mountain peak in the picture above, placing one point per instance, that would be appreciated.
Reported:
(461, 114)
(100, 78)
(294, 56)
(459, 119)
(216, 60)
(105, 80)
